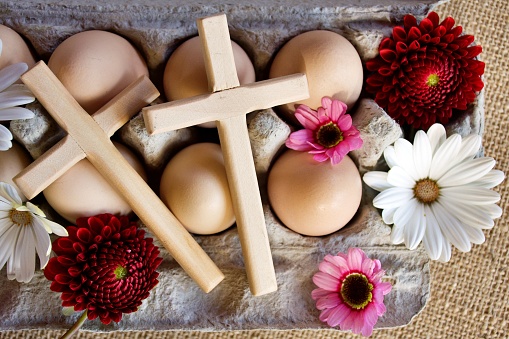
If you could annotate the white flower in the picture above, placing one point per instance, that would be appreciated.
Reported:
(12, 95)
(23, 231)
(437, 192)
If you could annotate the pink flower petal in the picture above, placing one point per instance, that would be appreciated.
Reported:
(321, 157)
(322, 114)
(330, 301)
(327, 105)
(324, 316)
(345, 122)
(337, 110)
(367, 267)
(329, 268)
(347, 323)
(358, 323)
(326, 281)
(338, 315)
(355, 257)
(370, 319)
(299, 140)
(318, 293)
(353, 142)
(307, 117)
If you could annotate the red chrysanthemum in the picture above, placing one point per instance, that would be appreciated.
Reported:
(425, 71)
(105, 266)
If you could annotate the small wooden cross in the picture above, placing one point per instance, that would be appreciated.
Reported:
(89, 136)
(228, 105)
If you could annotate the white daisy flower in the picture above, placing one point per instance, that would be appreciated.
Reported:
(12, 95)
(437, 192)
(23, 231)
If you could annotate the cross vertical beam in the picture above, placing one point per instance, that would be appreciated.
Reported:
(100, 151)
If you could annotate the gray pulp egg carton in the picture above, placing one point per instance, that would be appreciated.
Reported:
(261, 27)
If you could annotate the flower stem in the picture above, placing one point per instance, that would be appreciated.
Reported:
(70, 332)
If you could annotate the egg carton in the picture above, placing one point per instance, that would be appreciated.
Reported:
(261, 27)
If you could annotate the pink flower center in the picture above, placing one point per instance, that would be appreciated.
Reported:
(120, 272)
(356, 291)
(20, 218)
(329, 135)
(433, 80)
(426, 191)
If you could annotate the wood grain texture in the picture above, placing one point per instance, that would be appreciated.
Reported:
(66, 153)
(226, 104)
(103, 155)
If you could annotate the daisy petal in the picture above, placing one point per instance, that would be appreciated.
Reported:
(451, 228)
(390, 156)
(388, 215)
(10, 193)
(404, 153)
(299, 140)
(493, 210)
(13, 98)
(437, 136)
(16, 113)
(393, 197)
(473, 215)
(5, 134)
(442, 162)
(5, 144)
(398, 177)
(42, 244)
(7, 242)
(470, 146)
(467, 172)
(414, 232)
(376, 180)
(470, 195)
(445, 256)
(475, 235)
(397, 234)
(491, 179)
(355, 257)
(422, 154)
(332, 300)
(11, 74)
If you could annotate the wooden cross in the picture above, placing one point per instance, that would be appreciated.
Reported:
(89, 136)
(228, 105)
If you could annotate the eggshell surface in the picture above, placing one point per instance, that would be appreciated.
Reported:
(14, 48)
(185, 75)
(195, 188)
(331, 63)
(13, 161)
(82, 191)
(95, 66)
(314, 198)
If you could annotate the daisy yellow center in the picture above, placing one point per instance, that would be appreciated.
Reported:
(329, 135)
(120, 272)
(426, 191)
(356, 291)
(20, 218)
(433, 80)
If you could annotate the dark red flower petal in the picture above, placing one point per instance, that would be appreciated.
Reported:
(105, 265)
(426, 72)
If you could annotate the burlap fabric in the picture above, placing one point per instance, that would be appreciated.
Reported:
(470, 296)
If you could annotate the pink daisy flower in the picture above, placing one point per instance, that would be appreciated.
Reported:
(350, 293)
(328, 132)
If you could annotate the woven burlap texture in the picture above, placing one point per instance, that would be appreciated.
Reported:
(469, 295)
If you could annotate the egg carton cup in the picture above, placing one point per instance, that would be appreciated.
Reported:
(261, 27)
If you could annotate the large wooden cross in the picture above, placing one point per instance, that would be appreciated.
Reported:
(228, 105)
(89, 136)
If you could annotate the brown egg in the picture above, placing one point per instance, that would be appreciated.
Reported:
(195, 188)
(314, 198)
(331, 63)
(14, 48)
(185, 75)
(13, 161)
(95, 66)
(83, 192)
